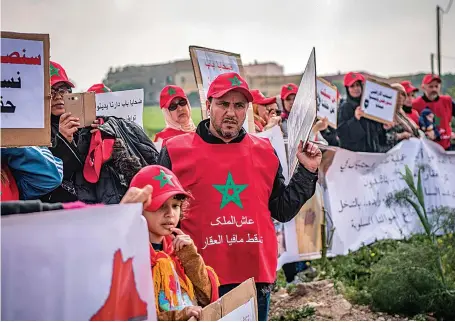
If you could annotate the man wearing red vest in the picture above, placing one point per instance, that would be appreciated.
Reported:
(238, 186)
(441, 105)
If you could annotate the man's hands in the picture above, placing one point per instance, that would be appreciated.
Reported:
(310, 157)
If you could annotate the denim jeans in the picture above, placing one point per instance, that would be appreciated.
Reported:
(263, 295)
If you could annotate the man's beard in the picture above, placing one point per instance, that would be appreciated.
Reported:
(227, 135)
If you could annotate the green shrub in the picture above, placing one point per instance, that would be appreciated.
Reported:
(302, 314)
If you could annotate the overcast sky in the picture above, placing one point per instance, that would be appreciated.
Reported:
(386, 37)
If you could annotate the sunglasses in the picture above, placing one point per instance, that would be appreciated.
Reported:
(61, 91)
(174, 106)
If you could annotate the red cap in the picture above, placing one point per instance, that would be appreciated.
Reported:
(58, 74)
(164, 182)
(409, 87)
(99, 88)
(259, 98)
(169, 93)
(351, 77)
(227, 82)
(288, 89)
(427, 79)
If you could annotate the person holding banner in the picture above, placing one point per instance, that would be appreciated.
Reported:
(288, 93)
(181, 279)
(99, 88)
(238, 185)
(265, 111)
(355, 132)
(404, 128)
(441, 105)
(410, 96)
(177, 113)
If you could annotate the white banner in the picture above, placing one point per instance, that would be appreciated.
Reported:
(125, 104)
(82, 264)
(358, 185)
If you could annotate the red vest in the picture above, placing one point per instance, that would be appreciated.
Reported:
(442, 109)
(9, 191)
(168, 133)
(414, 115)
(229, 220)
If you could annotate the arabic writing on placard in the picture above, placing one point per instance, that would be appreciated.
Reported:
(379, 101)
(326, 101)
(360, 212)
(22, 83)
(114, 105)
(125, 104)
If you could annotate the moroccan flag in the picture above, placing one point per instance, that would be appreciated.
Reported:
(83, 264)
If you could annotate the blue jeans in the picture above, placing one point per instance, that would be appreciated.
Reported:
(263, 295)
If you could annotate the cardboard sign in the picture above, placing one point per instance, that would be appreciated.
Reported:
(77, 265)
(240, 304)
(379, 101)
(303, 112)
(81, 105)
(125, 104)
(208, 64)
(25, 90)
(327, 101)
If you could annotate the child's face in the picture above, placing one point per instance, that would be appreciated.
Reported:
(161, 221)
(430, 117)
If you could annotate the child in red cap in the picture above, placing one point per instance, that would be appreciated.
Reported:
(183, 283)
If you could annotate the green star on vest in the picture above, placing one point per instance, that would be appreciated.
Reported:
(225, 190)
(235, 81)
(171, 91)
(164, 179)
(54, 71)
(437, 120)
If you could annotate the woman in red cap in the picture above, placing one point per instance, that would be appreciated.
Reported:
(355, 132)
(177, 113)
(288, 93)
(99, 88)
(265, 111)
(410, 96)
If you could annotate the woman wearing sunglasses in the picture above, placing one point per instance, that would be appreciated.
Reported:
(177, 113)
(265, 111)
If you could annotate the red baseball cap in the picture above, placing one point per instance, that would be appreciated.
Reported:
(58, 74)
(259, 98)
(409, 87)
(352, 77)
(169, 93)
(427, 79)
(227, 82)
(164, 182)
(99, 88)
(288, 89)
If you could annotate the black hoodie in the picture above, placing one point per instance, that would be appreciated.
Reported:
(362, 135)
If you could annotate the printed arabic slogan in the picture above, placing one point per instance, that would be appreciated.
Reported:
(125, 104)
(379, 101)
(78, 265)
(22, 84)
(360, 214)
(327, 101)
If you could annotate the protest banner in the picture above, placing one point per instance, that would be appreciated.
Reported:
(125, 104)
(82, 264)
(82, 106)
(303, 112)
(25, 90)
(360, 214)
(208, 64)
(379, 101)
(240, 304)
(327, 101)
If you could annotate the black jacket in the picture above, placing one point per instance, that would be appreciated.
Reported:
(285, 201)
(362, 135)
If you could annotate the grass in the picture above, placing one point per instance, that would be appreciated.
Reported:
(154, 120)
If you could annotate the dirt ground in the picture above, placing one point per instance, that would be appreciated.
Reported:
(329, 305)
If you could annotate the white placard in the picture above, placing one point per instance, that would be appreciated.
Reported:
(62, 265)
(246, 312)
(125, 104)
(22, 84)
(379, 102)
(359, 213)
(303, 112)
(326, 102)
(275, 137)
